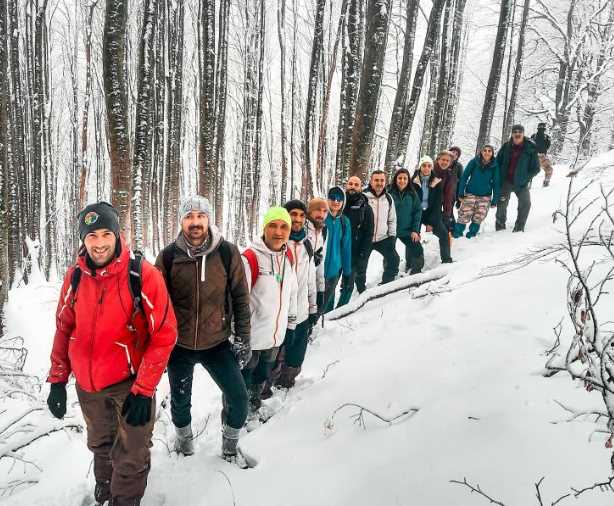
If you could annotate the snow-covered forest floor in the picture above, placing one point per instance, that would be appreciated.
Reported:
(468, 351)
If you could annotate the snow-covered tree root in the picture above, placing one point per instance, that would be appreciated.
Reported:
(603, 486)
(387, 289)
(359, 416)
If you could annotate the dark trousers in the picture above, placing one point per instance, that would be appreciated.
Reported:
(330, 288)
(386, 248)
(359, 272)
(414, 255)
(296, 347)
(223, 368)
(524, 205)
(259, 368)
(441, 232)
(121, 451)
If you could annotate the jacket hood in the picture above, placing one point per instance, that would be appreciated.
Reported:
(215, 238)
(345, 198)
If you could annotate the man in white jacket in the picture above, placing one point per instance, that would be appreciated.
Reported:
(269, 269)
(384, 229)
(292, 354)
(317, 210)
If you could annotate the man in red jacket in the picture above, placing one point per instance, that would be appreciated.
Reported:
(116, 351)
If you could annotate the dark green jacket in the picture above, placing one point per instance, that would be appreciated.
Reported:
(526, 168)
(408, 208)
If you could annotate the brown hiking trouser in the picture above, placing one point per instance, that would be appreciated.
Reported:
(121, 451)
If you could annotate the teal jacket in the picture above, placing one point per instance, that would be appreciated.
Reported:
(480, 180)
(338, 258)
(409, 210)
(527, 167)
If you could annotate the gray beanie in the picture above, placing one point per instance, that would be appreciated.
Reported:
(194, 203)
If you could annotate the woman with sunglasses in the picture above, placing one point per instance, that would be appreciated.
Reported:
(478, 190)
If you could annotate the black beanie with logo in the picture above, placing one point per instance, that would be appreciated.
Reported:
(98, 216)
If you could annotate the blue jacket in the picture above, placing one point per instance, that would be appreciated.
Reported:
(481, 180)
(338, 246)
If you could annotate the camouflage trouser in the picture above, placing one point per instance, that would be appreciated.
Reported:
(473, 208)
(544, 163)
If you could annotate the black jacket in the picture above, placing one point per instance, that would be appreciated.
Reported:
(360, 214)
(526, 168)
(433, 213)
(542, 141)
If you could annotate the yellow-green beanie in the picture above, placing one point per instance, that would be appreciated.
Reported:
(277, 213)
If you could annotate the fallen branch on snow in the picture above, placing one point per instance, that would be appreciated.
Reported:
(387, 289)
(476, 489)
(359, 417)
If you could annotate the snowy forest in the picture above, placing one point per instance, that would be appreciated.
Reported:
(251, 103)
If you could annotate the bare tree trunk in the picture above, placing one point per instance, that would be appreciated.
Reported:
(378, 18)
(454, 82)
(293, 112)
(86, 105)
(492, 88)
(281, 34)
(432, 32)
(314, 75)
(5, 261)
(144, 129)
(116, 98)
(206, 152)
(400, 100)
(221, 94)
(429, 128)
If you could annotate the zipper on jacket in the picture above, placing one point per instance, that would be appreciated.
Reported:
(376, 217)
(281, 288)
(197, 304)
(93, 334)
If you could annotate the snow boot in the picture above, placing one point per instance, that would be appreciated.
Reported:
(459, 229)
(288, 377)
(518, 229)
(474, 228)
(546, 183)
(230, 447)
(184, 442)
(102, 491)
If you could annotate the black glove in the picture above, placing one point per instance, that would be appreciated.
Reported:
(242, 352)
(317, 256)
(320, 302)
(137, 409)
(57, 399)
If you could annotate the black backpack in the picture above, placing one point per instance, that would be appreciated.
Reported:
(135, 268)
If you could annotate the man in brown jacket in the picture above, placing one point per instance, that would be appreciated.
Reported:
(207, 285)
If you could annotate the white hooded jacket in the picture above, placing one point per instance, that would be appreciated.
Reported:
(272, 299)
(316, 237)
(384, 215)
(305, 270)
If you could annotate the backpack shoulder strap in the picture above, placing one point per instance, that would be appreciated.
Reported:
(308, 248)
(74, 282)
(226, 255)
(135, 281)
(290, 256)
(324, 233)
(168, 256)
(388, 198)
(252, 261)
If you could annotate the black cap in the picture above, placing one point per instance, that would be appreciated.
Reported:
(541, 126)
(98, 216)
(295, 204)
(518, 128)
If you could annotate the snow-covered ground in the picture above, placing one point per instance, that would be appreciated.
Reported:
(468, 352)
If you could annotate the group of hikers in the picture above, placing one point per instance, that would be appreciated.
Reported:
(246, 317)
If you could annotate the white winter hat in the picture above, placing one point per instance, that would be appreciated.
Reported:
(425, 159)
(194, 203)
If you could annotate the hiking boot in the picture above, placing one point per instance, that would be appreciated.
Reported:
(102, 491)
(267, 390)
(518, 229)
(546, 183)
(474, 228)
(184, 442)
(498, 227)
(459, 229)
(288, 377)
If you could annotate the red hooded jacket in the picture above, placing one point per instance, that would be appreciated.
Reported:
(98, 340)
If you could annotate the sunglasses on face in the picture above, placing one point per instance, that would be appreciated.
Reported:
(336, 199)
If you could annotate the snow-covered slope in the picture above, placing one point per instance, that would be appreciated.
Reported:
(468, 352)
